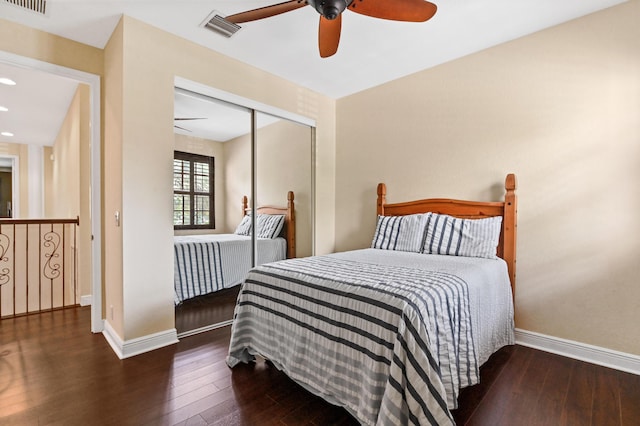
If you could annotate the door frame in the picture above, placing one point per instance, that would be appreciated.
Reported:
(15, 183)
(93, 81)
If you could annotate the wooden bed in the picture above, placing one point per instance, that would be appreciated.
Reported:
(289, 232)
(392, 335)
(207, 263)
(469, 210)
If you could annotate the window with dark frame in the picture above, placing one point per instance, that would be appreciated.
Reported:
(193, 194)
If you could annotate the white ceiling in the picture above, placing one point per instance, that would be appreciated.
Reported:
(371, 52)
(37, 105)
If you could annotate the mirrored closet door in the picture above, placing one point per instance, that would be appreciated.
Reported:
(284, 164)
(246, 167)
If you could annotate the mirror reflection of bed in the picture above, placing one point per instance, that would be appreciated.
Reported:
(209, 268)
(282, 168)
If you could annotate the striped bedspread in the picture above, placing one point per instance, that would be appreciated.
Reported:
(207, 263)
(391, 342)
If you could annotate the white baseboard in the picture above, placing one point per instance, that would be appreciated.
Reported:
(139, 345)
(580, 351)
(86, 300)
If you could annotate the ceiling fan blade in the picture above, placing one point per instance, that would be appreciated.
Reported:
(265, 12)
(395, 10)
(191, 118)
(182, 128)
(329, 35)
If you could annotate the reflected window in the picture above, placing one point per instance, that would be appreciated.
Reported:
(193, 197)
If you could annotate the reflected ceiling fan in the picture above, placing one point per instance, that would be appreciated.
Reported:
(186, 118)
(331, 15)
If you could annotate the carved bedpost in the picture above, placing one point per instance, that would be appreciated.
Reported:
(382, 198)
(245, 206)
(291, 227)
(510, 226)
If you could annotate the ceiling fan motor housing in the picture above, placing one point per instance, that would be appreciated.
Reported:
(330, 9)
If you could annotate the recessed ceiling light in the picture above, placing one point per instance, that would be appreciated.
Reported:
(7, 81)
(3, 109)
(6, 134)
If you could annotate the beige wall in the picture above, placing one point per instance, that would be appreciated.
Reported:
(213, 149)
(25, 41)
(67, 191)
(112, 181)
(62, 198)
(237, 154)
(561, 109)
(145, 60)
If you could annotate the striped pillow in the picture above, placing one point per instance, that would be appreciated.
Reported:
(270, 225)
(244, 228)
(401, 233)
(462, 237)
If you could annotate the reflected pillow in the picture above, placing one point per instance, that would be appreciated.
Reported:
(401, 233)
(270, 225)
(244, 228)
(462, 237)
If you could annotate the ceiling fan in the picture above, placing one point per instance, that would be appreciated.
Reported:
(186, 118)
(331, 15)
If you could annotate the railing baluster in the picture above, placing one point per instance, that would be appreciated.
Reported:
(1, 283)
(51, 280)
(14, 269)
(64, 246)
(61, 234)
(39, 267)
(26, 255)
(75, 262)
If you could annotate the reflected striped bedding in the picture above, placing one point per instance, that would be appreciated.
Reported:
(207, 263)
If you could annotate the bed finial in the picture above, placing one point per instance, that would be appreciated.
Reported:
(245, 205)
(382, 198)
(291, 227)
(511, 183)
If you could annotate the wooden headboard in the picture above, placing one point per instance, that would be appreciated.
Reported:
(470, 210)
(289, 220)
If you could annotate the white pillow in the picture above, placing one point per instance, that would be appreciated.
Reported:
(462, 237)
(244, 228)
(401, 233)
(270, 225)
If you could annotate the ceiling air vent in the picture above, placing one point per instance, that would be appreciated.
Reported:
(216, 22)
(38, 6)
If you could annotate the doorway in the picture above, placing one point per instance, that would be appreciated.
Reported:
(9, 180)
(93, 214)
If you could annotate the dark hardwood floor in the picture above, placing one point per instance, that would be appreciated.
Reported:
(53, 371)
(203, 311)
